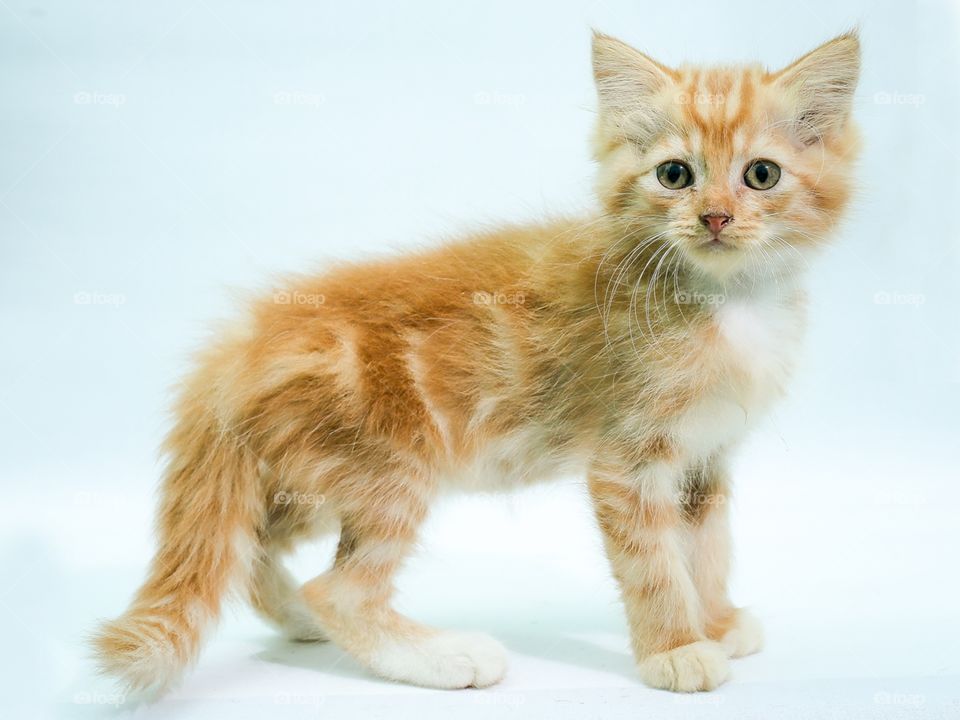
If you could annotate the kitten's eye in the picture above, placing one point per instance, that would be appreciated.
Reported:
(762, 175)
(674, 175)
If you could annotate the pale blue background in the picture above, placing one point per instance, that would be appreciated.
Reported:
(155, 155)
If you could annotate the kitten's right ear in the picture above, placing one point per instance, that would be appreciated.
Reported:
(626, 79)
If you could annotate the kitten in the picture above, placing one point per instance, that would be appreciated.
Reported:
(635, 347)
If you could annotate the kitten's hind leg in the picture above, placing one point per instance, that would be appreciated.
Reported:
(275, 596)
(352, 601)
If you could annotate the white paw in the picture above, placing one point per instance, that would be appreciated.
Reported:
(745, 637)
(701, 665)
(444, 660)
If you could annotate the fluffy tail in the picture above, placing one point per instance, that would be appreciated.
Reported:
(207, 526)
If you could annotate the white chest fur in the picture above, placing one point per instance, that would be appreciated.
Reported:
(759, 337)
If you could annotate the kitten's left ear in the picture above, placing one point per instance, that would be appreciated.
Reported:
(821, 86)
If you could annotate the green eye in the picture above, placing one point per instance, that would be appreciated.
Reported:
(762, 175)
(674, 175)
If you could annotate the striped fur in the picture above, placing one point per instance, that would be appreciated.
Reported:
(617, 346)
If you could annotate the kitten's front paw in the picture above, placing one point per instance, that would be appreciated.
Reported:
(745, 635)
(689, 668)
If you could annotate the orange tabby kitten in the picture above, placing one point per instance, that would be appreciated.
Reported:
(635, 346)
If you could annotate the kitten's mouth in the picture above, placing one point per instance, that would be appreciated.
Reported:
(716, 244)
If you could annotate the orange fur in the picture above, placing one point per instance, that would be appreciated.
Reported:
(623, 345)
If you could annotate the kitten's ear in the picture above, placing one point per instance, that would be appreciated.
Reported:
(626, 79)
(821, 85)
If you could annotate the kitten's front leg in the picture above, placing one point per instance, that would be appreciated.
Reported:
(706, 503)
(640, 514)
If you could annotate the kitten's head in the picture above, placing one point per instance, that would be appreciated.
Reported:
(737, 168)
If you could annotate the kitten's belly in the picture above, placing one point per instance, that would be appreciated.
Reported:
(520, 458)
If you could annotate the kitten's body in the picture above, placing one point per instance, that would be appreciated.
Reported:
(604, 347)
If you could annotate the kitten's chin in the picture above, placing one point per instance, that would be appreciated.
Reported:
(745, 259)
(716, 258)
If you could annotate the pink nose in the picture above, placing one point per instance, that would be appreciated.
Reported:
(716, 223)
